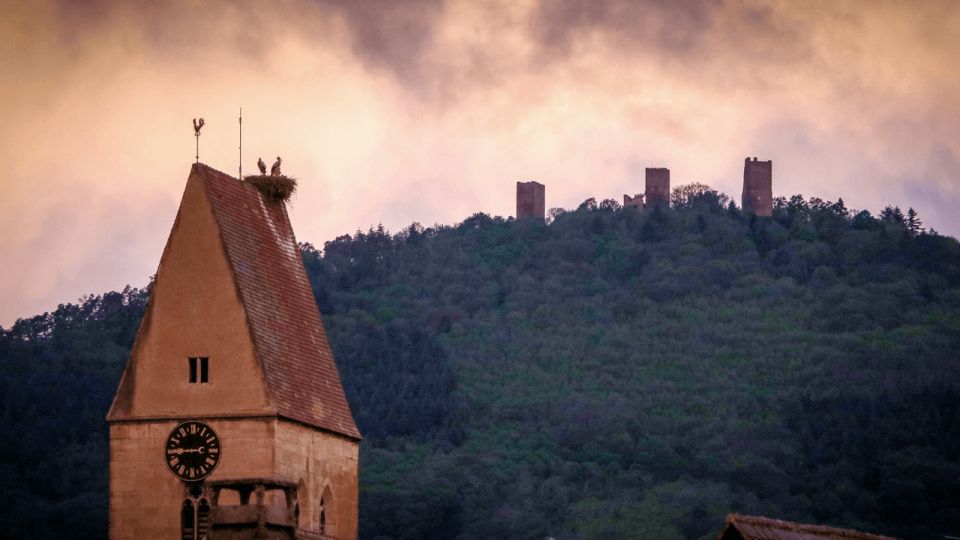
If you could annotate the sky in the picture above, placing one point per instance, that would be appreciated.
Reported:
(391, 112)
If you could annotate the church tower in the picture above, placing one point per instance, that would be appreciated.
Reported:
(231, 384)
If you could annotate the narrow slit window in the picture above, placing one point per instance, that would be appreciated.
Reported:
(204, 370)
(188, 519)
(192, 362)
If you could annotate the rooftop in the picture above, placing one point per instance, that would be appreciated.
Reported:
(742, 527)
(301, 376)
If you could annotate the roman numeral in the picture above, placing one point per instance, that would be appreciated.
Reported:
(210, 461)
(193, 428)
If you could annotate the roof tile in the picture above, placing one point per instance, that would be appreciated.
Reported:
(291, 345)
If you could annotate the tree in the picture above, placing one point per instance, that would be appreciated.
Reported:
(612, 375)
(914, 225)
(589, 204)
(609, 204)
(554, 213)
(892, 214)
(697, 195)
(863, 220)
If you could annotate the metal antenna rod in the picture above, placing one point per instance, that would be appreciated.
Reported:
(240, 172)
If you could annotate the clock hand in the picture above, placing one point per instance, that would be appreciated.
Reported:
(181, 451)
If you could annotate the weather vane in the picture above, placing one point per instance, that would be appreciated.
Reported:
(196, 133)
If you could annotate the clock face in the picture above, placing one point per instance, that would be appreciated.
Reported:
(192, 451)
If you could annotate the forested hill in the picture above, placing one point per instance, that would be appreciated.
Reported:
(612, 374)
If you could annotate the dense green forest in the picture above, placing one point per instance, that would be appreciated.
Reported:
(611, 373)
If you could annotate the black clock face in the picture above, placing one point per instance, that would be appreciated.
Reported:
(192, 451)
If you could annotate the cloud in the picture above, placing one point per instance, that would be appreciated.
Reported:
(934, 188)
(383, 34)
(673, 27)
(430, 110)
(394, 35)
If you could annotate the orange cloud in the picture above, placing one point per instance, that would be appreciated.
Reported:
(429, 110)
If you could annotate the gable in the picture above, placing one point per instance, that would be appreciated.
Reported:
(194, 311)
(232, 277)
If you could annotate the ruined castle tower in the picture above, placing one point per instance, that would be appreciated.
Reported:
(230, 379)
(636, 201)
(530, 200)
(758, 187)
(658, 187)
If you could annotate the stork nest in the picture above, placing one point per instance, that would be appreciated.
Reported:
(274, 188)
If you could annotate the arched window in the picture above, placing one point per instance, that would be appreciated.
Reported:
(187, 520)
(194, 518)
(323, 517)
(328, 521)
(203, 518)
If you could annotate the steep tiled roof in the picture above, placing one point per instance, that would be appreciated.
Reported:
(761, 528)
(291, 345)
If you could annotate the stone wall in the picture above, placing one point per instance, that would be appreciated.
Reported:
(323, 463)
(194, 311)
(145, 497)
(636, 201)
